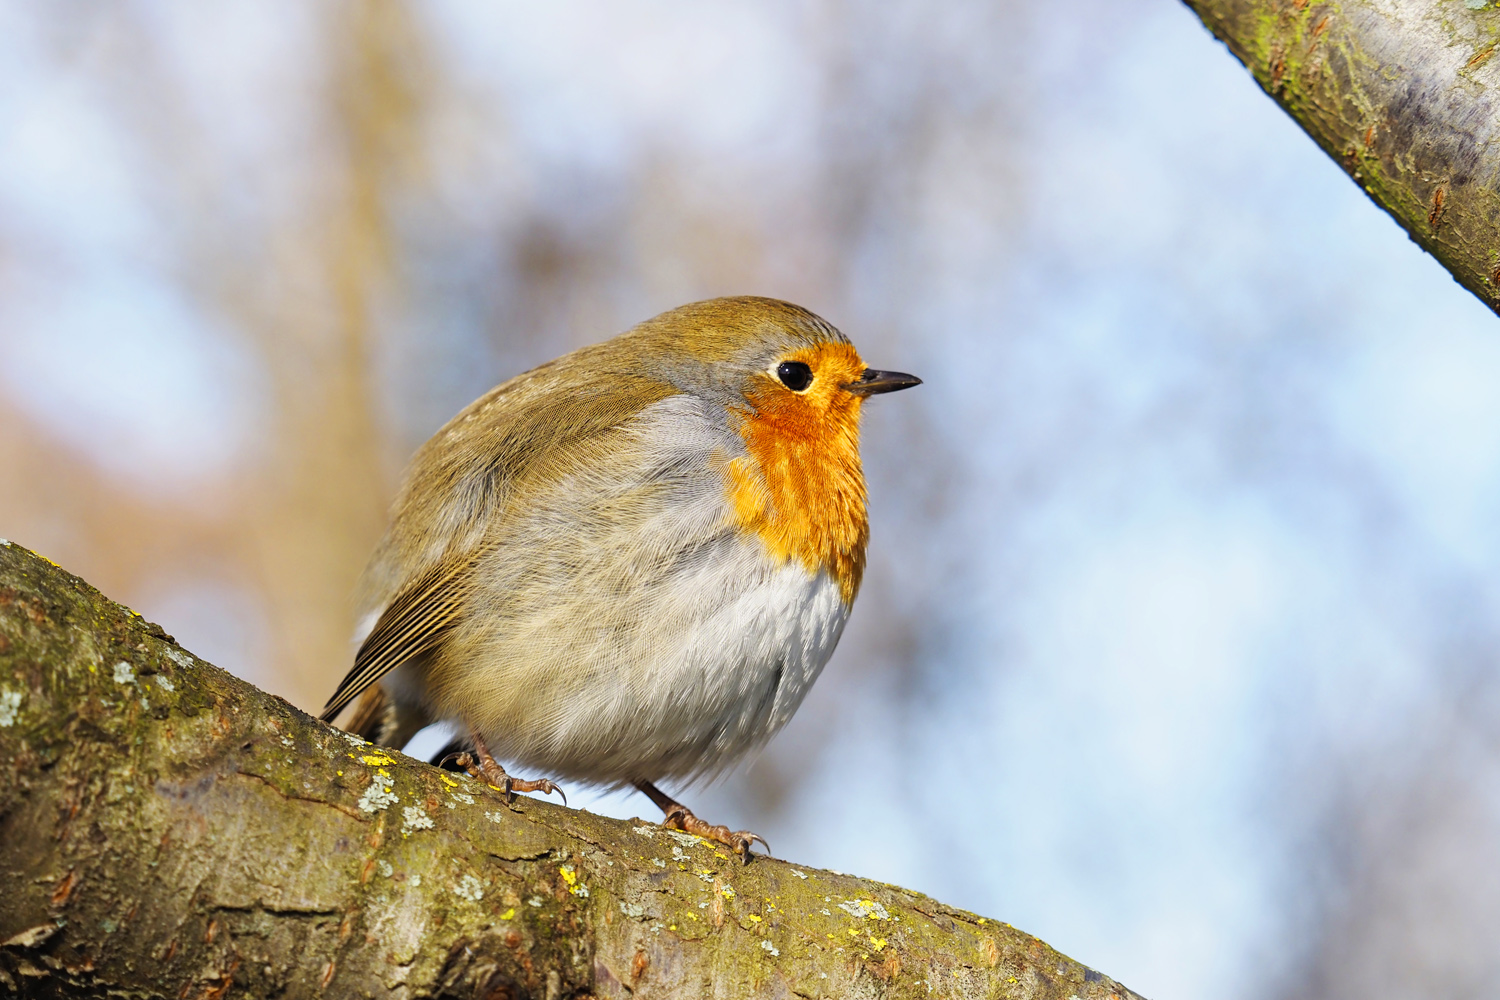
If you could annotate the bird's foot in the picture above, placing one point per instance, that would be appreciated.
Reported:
(680, 817)
(480, 764)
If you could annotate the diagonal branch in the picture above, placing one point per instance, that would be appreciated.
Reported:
(167, 829)
(1404, 95)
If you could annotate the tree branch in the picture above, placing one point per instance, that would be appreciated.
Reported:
(167, 829)
(1403, 95)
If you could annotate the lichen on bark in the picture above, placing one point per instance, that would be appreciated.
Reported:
(169, 830)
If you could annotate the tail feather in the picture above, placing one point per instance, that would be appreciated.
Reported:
(372, 719)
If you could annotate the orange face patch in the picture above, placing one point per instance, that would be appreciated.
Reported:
(802, 489)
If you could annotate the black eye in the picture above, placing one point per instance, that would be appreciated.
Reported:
(794, 375)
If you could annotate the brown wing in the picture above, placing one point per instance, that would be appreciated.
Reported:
(550, 419)
(414, 623)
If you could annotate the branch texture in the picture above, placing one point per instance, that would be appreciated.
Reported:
(168, 830)
(1404, 95)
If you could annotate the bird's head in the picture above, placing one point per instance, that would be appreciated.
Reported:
(769, 359)
(792, 385)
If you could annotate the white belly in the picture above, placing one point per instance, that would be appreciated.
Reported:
(721, 661)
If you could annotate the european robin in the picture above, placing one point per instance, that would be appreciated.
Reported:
(630, 564)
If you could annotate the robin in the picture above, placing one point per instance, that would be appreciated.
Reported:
(628, 565)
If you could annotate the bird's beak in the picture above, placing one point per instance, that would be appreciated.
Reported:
(873, 381)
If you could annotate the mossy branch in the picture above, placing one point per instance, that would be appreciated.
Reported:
(168, 830)
(1404, 95)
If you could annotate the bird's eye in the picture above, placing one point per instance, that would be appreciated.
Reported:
(795, 375)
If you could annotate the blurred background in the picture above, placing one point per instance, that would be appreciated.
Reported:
(1177, 643)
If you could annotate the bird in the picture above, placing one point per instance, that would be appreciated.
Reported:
(626, 566)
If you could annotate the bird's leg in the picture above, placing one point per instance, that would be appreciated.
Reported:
(481, 764)
(680, 817)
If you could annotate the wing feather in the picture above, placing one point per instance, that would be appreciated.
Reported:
(521, 435)
(414, 623)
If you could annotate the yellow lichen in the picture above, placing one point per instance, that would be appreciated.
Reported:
(570, 876)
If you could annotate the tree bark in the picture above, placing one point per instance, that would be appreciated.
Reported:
(1403, 95)
(169, 830)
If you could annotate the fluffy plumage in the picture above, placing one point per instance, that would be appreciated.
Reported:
(631, 563)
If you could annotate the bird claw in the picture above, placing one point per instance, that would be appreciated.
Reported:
(740, 842)
(544, 785)
(680, 817)
(487, 769)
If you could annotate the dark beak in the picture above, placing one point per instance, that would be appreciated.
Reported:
(873, 381)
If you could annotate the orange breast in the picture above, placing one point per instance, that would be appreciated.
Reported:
(801, 489)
